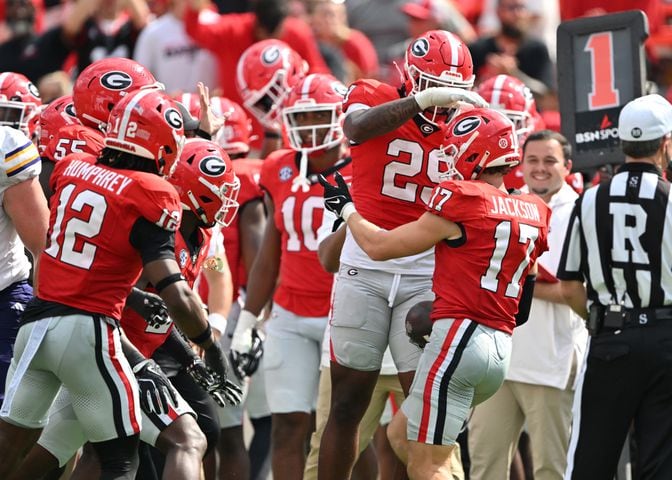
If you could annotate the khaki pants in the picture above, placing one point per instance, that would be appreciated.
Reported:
(496, 424)
(386, 384)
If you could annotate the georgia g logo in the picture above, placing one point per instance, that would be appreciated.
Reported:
(270, 55)
(70, 110)
(212, 166)
(32, 89)
(420, 47)
(173, 118)
(116, 80)
(466, 125)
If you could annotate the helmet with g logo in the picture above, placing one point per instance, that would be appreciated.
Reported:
(102, 84)
(205, 180)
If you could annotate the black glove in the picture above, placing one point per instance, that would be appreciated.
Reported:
(149, 306)
(157, 394)
(224, 393)
(214, 359)
(418, 323)
(246, 363)
(336, 197)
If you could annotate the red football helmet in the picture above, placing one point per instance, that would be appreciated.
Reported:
(205, 180)
(234, 136)
(20, 103)
(147, 123)
(511, 97)
(478, 139)
(315, 94)
(266, 72)
(103, 83)
(57, 114)
(438, 59)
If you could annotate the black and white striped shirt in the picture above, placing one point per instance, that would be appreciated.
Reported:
(619, 240)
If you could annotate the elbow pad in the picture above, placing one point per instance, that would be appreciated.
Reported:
(525, 300)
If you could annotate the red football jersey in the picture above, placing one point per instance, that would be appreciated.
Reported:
(146, 338)
(248, 172)
(394, 173)
(89, 262)
(304, 287)
(73, 139)
(481, 277)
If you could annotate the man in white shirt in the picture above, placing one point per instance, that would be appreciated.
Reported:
(172, 56)
(538, 389)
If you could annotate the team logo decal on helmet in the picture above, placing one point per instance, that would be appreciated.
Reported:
(116, 80)
(466, 126)
(70, 110)
(173, 118)
(340, 89)
(270, 55)
(212, 166)
(32, 89)
(420, 47)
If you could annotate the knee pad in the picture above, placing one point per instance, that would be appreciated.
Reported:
(118, 458)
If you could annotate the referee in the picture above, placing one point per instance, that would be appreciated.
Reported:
(619, 242)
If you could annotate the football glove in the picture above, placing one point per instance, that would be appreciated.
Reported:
(246, 345)
(157, 394)
(223, 393)
(149, 306)
(448, 97)
(418, 324)
(337, 197)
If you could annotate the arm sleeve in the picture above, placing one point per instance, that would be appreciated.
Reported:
(152, 241)
(209, 29)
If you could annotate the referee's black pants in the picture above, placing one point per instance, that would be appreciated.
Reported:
(627, 377)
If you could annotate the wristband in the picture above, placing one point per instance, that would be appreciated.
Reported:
(348, 210)
(203, 134)
(138, 366)
(272, 135)
(217, 321)
(203, 337)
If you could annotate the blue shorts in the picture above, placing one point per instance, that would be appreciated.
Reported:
(13, 300)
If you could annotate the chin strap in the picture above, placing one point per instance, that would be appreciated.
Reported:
(301, 181)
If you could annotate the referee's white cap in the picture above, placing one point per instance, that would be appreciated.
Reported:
(645, 118)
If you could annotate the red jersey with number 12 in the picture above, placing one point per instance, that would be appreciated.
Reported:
(480, 276)
(304, 286)
(90, 263)
(394, 173)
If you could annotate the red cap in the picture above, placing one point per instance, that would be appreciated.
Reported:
(420, 9)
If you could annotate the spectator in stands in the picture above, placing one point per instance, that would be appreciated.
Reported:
(54, 85)
(511, 51)
(98, 29)
(171, 55)
(424, 15)
(330, 26)
(236, 32)
(26, 51)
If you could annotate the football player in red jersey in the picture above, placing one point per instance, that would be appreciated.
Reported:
(265, 74)
(487, 242)
(288, 257)
(113, 219)
(395, 135)
(207, 187)
(242, 240)
(20, 103)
